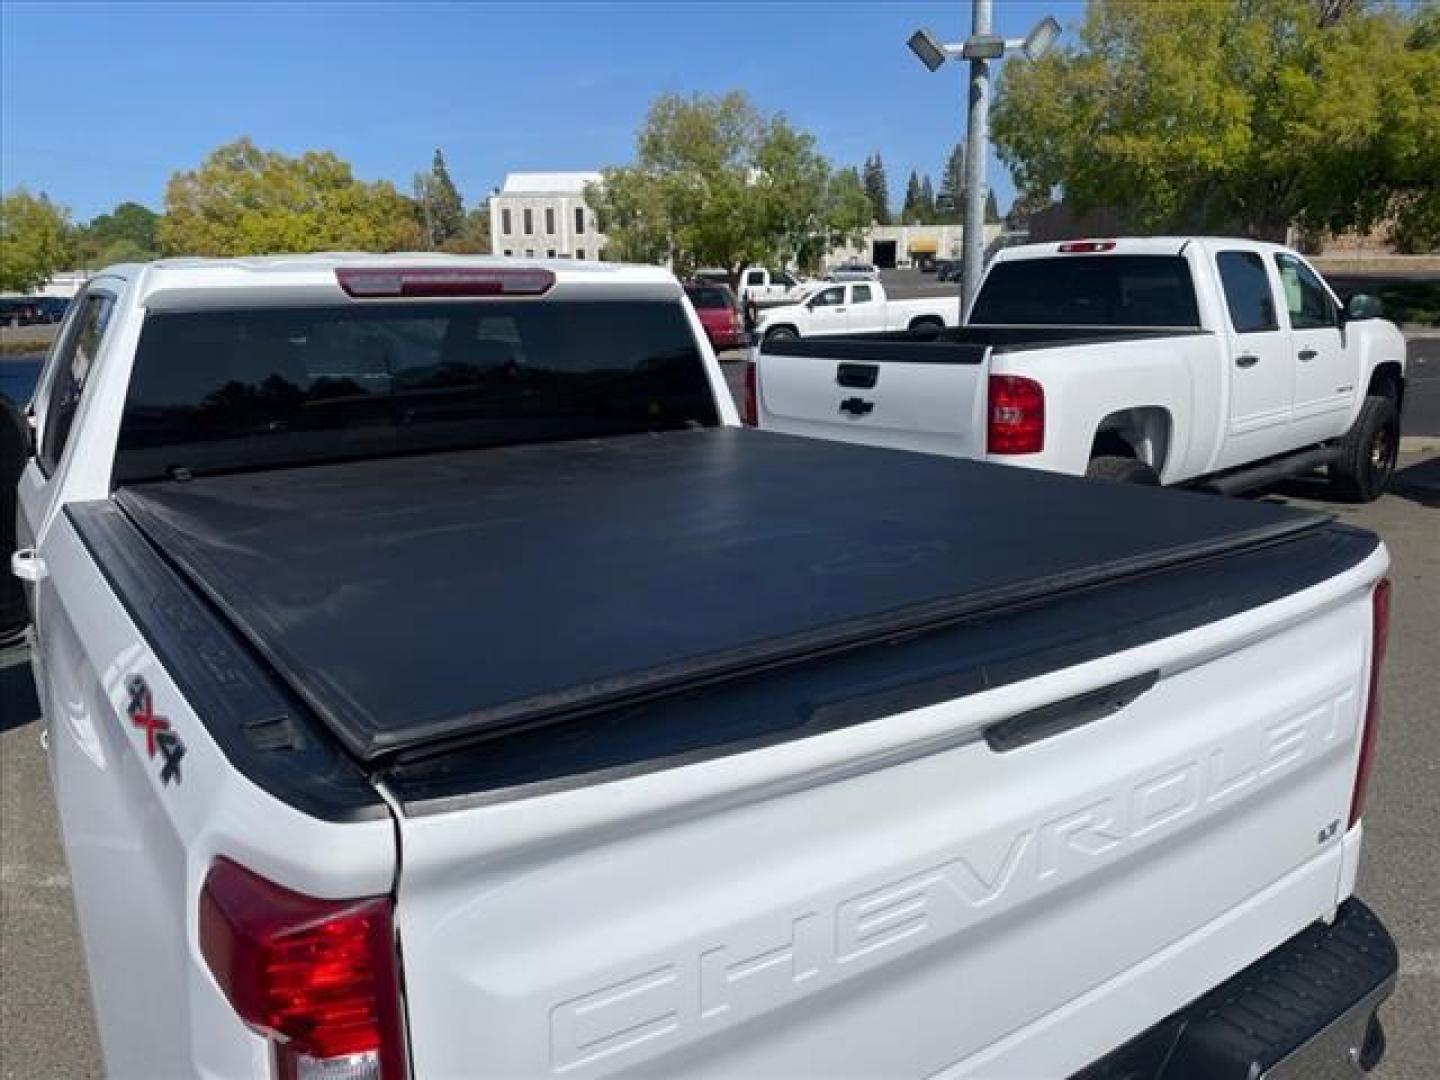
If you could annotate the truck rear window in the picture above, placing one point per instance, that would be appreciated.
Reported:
(1089, 290)
(232, 390)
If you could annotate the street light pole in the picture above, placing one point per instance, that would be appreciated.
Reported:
(976, 140)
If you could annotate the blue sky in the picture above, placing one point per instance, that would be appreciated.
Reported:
(100, 103)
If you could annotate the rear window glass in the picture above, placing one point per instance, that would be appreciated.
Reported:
(1089, 290)
(709, 297)
(230, 390)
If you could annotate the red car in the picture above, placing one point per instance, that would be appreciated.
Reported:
(719, 314)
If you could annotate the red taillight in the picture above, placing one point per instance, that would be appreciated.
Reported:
(1017, 416)
(1380, 619)
(1080, 247)
(750, 414)
(380, 282)
(319, 977)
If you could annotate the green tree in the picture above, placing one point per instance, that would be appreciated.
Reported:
(129, 233)
(474, 235)
(1239, 116)
(441, 208)
(927, 200)
(952, 185)
(847, 213)
(35, 240)
(877, 188)
(244, 201)
(992, 208)
(714, 183)
(912, 211)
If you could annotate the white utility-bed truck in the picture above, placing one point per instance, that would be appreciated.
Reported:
(1227, 363)
(854, 307)
(438, 681)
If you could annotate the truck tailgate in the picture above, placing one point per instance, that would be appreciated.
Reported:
(908, 896)
(927, 396)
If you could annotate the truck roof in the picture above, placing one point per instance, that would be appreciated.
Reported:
(414, 601)
(307, 272)
(1126, 245)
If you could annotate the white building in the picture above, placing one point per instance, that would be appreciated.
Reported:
(544, 215)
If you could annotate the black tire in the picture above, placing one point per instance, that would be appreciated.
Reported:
(1366, 463)
(781, 333)
(1124, 470)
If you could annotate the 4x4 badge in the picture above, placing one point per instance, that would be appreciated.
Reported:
(158, 736)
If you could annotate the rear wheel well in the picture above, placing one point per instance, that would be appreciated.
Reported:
(1140, 433)
(927, 322)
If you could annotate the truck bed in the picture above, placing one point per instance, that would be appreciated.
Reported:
(439, 597)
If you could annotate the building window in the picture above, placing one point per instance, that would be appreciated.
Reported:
(579, 253)
(529, 221)
(550, 220)
(550, 254)
(508, 252)
(529, 252)
(505, 222)
(579, 221)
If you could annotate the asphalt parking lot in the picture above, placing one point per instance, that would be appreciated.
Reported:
(46, 1030)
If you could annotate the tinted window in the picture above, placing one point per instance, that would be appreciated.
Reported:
(72, 368)
(755, 277)
(1089, 290)
(860, 295)
(579, 220)
(709, 296)
(529, 222)
(1310, 305)
(505, 223)
(829, 298)
(239, 389)
(1247, 291)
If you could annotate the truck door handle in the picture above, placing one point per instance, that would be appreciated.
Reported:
(1247, 361)
(28, 566)
(858, 376)
(839, 311)
(1308, 354)
(857, 406)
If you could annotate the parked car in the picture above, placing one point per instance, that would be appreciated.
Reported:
(439, 682)
(855, 307)
(760, 286)
(949, 270)
(854, 271)
(53, 308)
(1223, 363)
(719, 314)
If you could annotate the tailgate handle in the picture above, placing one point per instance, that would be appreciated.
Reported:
(858, 376)
(1062, 716)
(857, 406)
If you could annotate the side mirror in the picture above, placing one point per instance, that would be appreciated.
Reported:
(1362, 306)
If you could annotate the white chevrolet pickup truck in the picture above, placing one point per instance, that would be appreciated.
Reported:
(1223, 363)
(855, 307)
(438, 681)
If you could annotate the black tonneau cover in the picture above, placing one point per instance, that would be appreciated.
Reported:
(448, 596)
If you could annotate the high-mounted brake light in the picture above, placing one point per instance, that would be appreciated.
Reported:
(1380, 639)
(318, 977)
(1017, 416)
(1078, 247)
(383, 282)
(750, 413)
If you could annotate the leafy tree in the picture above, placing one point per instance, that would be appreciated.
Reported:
(847, 214)
(244, 201)
(35, 240)
(715, 183)
(952, 185)
(913, 210)
(992, 208)
(1025, 206)
(474, 235)
(1240, 116)
(440, 204)
(129, 233)
(877, 188)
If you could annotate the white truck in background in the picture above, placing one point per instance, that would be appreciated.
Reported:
(855, 307)
(760, 286)
(1227, 363)
(438, 681)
